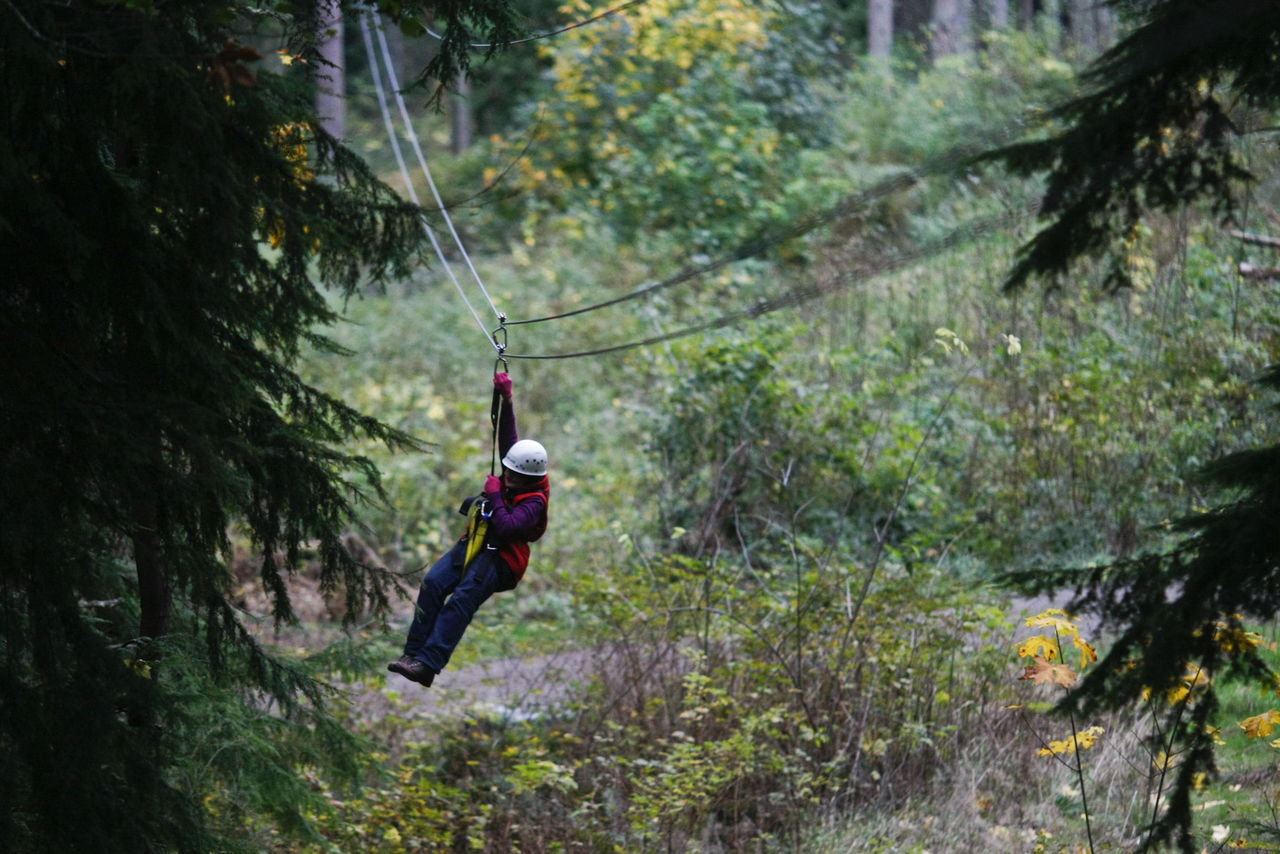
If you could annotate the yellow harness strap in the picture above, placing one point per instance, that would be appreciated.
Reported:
(477, 528)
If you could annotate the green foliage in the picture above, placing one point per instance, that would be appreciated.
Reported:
(735, 740)
(170, 214)
(771, 542)
(685, 120)
(1155, 130)
(777, 595)
(1158, 130)
(899, 114)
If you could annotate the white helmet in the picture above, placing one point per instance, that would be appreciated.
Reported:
(527, 457)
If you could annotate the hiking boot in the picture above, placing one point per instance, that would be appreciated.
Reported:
(413, 670)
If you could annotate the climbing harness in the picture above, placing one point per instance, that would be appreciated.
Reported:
(477, 528)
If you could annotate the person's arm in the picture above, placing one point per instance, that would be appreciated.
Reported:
(519, 523)
(514, 523)
(508, 434)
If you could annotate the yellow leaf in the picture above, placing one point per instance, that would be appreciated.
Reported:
(1056, 619)
(1087, 653)
(1234, 639)
(1039, 646)
(1073, 743)
(1260, 726)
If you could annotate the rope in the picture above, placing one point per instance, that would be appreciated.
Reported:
(801, 295)
(422, 160)
(575, 25)
(404, 170)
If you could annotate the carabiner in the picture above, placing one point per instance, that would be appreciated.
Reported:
(500, 345)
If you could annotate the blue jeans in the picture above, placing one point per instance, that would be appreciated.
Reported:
(447, 600)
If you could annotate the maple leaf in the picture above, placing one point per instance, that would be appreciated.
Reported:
(1087, 653)
(1046, 672)
(1040, 646)
(1260, 726)
(1057, 619)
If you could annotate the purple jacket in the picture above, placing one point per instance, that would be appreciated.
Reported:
(514, 524)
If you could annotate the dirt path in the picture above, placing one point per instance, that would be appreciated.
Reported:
(510, 688)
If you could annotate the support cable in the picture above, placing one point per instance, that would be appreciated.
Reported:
(948, 162)
(805, 294)
(422, 160)
(404, 171)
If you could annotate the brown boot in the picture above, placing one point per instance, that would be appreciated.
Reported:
(413, 670)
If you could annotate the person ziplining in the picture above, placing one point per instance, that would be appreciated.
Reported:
(491, 556)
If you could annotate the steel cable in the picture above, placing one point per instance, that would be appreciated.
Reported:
(804, 294)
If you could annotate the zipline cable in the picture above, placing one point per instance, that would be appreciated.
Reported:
(408, 179)
(801, 295)
(948, 162)
(575, 25)
(422, 160)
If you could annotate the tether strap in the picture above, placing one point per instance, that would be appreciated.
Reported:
(495, 415)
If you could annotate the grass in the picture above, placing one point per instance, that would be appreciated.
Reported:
(1245, 797)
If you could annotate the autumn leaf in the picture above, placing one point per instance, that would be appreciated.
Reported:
(1073, 743)
(226, 68)
(1087, 653)
(1039, 646)
(1233, 639)
(1056, 619)
(1045, 672)
(1260, 726)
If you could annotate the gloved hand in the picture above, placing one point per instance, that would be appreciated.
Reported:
(502, 382)
(492, 485)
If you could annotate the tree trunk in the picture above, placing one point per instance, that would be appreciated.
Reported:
(999, 11)
(1026, 14)
(1079, 14)
(153, 586)
(879, 28)
(331, 76)
(964, 25)
(945, 40)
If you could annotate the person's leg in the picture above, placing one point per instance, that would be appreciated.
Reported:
(479, 583)
(436, 586)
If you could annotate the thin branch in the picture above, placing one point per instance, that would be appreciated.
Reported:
(1256, 239)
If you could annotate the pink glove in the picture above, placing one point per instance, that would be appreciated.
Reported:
(492, 485)
(502, 382)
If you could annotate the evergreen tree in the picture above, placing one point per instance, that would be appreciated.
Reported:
(173, 226)
(1158, 130)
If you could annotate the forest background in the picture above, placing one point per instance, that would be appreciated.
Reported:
(776, 541)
